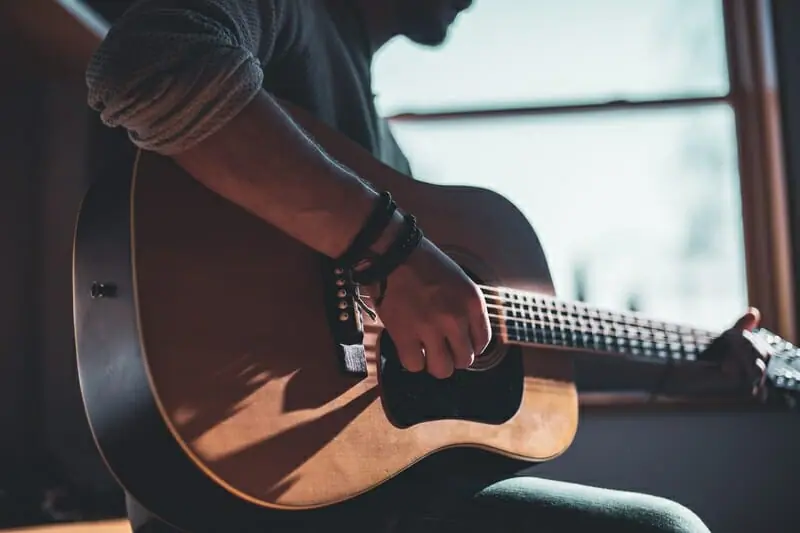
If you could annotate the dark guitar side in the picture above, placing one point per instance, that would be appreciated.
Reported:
(206, 363)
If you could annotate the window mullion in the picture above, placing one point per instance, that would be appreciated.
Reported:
(754, 96)
(618, 105)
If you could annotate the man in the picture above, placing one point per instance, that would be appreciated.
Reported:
(198, 80)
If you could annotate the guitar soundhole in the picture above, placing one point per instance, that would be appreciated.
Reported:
(491, 396)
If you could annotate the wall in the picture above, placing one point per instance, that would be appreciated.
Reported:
(18, 151)
(47, 163)
(738, 471)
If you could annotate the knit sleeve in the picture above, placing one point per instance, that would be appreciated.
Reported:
(173, 72)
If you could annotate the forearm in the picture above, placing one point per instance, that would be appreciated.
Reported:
(184, 79)
(262, 161)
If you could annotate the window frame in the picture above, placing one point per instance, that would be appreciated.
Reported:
(754, 99)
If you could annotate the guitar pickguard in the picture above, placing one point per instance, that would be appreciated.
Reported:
(490, 396)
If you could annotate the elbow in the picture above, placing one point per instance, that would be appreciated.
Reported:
(172, 98)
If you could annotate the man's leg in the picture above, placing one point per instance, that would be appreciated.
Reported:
(534, 505)
(485, 495)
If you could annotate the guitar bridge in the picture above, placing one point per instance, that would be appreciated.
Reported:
(342, 308)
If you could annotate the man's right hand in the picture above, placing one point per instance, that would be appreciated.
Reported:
(436, 315)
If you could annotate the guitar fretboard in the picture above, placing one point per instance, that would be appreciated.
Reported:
(530, 319)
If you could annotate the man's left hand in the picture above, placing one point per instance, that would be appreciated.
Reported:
(735, 354)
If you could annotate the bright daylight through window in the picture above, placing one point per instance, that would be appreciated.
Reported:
(636, 208)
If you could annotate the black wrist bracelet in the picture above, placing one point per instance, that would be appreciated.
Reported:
(374, 226)
(379, 269)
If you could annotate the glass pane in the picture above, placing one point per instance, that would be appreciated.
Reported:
(634, 210)
(537, 52)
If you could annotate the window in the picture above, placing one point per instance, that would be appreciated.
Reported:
(505, 53)
(610, 124)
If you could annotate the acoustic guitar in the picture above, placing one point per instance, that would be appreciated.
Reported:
(223, 363)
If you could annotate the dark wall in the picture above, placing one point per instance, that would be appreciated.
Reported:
(47, 161)
(18, 153)
(738, 471)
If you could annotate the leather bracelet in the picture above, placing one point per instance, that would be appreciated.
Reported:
(373, 228)
(381, 266)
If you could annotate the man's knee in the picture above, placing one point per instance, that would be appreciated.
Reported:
(667, 516)
(576, 507)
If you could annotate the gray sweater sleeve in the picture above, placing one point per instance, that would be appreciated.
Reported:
(173, 72)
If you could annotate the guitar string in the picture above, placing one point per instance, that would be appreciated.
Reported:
(602, 315)
(518, 324)
(609, 314)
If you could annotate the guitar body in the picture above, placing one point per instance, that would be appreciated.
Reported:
(209, 370)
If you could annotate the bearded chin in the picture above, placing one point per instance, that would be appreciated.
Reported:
(430, 36)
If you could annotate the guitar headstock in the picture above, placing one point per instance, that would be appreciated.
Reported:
(780, 363)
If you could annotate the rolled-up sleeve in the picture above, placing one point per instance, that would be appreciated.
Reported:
(173, 72)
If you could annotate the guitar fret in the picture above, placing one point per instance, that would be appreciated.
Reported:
(528, 318)
(539, 320)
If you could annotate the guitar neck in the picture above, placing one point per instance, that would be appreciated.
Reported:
(530, 319)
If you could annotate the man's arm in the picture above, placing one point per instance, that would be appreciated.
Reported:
(202, 105)
(184, 78)
(263, 162)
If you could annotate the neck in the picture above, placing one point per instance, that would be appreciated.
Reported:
(379, 21)
(525, 318)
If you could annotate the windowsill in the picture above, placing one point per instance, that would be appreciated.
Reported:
(639, 401)
(618, 384)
